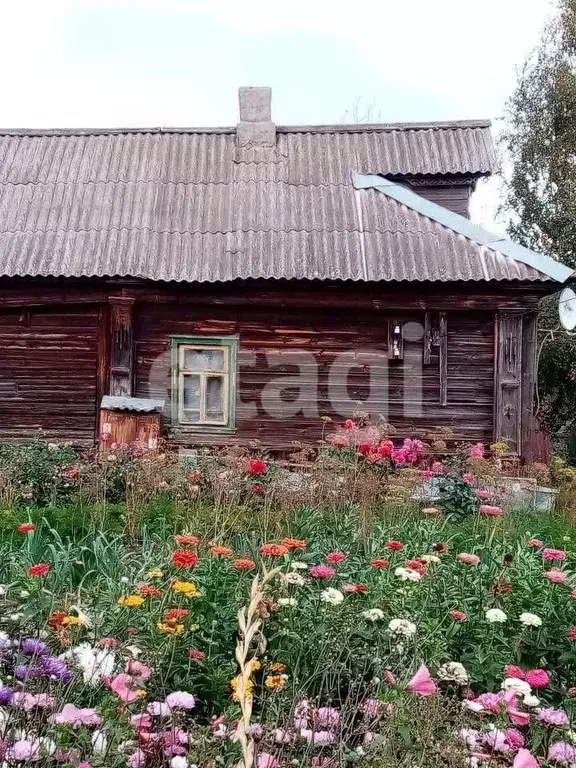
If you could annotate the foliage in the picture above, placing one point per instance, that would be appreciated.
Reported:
(540, 139)
(456, 497)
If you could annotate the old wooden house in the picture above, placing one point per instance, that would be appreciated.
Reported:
(258, 278)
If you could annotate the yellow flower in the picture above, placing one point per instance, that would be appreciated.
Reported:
(155, 573)
(130, 601)
(140, 693)
(187, 588)
(237, 684)
(72, 621)
(170, 629)
(275, 682)
(254, 665)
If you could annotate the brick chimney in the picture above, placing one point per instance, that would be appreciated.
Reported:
(255, 127)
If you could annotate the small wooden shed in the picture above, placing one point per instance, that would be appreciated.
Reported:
(130, 421)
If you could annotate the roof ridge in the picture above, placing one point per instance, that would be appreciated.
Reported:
(285, 129)
(463, 226)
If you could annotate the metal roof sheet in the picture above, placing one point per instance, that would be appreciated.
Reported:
(139, 404)
(189, 205)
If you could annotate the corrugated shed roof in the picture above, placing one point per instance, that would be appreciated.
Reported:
(188, 205)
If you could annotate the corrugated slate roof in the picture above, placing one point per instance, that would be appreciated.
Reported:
(189, 205)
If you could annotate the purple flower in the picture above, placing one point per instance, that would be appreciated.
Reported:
(6, 695)
(327, 717)
(34, 647)
(23, 750)
(72, 715)
(180, 700)
(27, 672)
(496, 740)
(562, 753)
(56, 668)
(555, 718)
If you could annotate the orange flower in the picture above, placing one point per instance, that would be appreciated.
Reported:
(41, 569)
(173, 614)
(273, 550)
(148, 590)
(293, 543)
(56, 619)
(185, 540)
(26, 528)
(278, 667)
(243, 564)
(183, 558)
(220, 551)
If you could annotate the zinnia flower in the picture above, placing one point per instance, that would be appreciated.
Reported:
(149, 590)
(186, 588)
(562, 752)
(402, 627)
(495, 616)
(26, 528)
(256, 467)
(530, 620)
(554, 718)
(180, 700)
(196, 655)
(467, 558)
(553, 554)
(379, 563)
(457, 615)
(335, 557)
(40, 569)
(243, 564)
(534, 543)
(373, 614)
(511, 670)
(359, 589)
(537, 678)
(572, 634)
(185, 540)
(220, 551)
(556, 576)
(293, 543)
(394, 546)
(184, 558)
(131, 601)
(322, 572)
(407, 574)
(273, 550)
(489, 511)
(332, 596)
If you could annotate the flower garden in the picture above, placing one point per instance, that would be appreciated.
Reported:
(237, 613)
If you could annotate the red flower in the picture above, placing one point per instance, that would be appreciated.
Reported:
(243, 564)
(56, 618)
(273, 550)
(416, 565)
(184, 558)
(511, 670)
(257, 488)
(572, 634)
(194, 476)
(537, 678)
(185, 540)
(335, 557)
(149, 590)
(257, 467)
(501, 589)
(174, 614)
(107, 642)
(440, 548)
(196, 655)
(41, 569)
(220, 551)
(359, 589)
(26, 528)
(72, 472)
(458, 615)
(379, 563)
(293, 543)
(349, 424)
(366, 447)
(394, 546)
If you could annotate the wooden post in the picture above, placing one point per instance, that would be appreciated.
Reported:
(103, 364)
(121, 346)
(443, 340)
(508, 366)
(529, 350)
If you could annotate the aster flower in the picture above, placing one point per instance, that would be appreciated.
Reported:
(34, 647)
(402, 627)
(562, 752)
(554, 718)
(373, 614)
(76, 717)
(180, 700)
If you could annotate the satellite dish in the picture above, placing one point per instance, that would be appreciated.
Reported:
(567, 309)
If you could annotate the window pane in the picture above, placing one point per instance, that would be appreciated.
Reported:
(215, 398)
(191, 398)
(204, 359)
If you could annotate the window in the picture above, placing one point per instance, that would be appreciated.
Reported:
(204, 382)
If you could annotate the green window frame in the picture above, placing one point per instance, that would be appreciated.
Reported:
(204, 376)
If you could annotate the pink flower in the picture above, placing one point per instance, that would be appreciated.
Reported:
(322, 572)
(556, 576)
(327, 717)
(23, 750)
(390, 678)
(476, 451)
(524, 759)
(457, 615)
(125, 686)
(517, 717)
(553, 554)
(562, 752)
(141, 721)
(467, 558)
(371, 708)
(180, 700)
(137, 670)
(573, 594)
(469, 478)
(137, 759)
(489, 511)
(514, 738)
(76, 717)
(534, 543)
(422, 684)
(537, 678)
(483, 495)
(555, 718)
(335, 557)
(511, 670)
(158, 709)
(437, 468)
(266, 760)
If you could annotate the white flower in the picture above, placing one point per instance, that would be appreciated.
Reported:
(298, 565)
(99, 741)
(288, 602)
(178, 761)
(125, 580)
(133, 650)
(473, 706)
(3, 590)
(455, 671)
(373, 614)
(16, 617)
(521, 687)
(95, 663)
(24, 594)
(430, 559)
(402, 627)
(530, 620)
(293, 579)
(531, 701)
(495, 616)
(332, 596)
(5, 641)
(407, 574)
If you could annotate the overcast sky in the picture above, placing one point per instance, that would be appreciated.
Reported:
(179, 62)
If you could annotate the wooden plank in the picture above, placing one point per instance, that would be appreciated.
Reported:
(427, 341)
(529, 351)
(121, 345)
(508, 380)
(103, 365)
(443, 339)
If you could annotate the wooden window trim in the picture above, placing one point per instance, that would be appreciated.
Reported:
(229, 345)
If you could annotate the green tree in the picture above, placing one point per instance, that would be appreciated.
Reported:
(540, 143)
